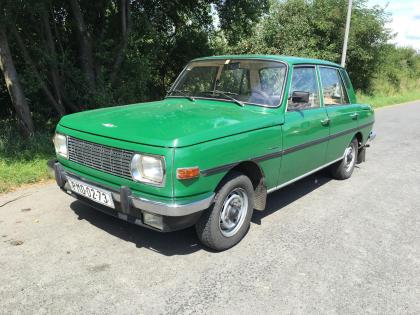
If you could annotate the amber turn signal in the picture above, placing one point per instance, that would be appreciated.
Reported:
(187, 172)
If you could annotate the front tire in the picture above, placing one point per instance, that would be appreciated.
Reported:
(226, 222)
(344, 168)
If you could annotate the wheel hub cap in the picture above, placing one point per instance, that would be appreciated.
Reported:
(349, 158)
(233, 212)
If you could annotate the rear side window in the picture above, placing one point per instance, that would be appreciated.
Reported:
(332, 87)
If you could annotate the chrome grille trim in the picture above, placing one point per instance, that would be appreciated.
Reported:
(110, 160)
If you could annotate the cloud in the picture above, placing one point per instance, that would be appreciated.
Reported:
(405, 21)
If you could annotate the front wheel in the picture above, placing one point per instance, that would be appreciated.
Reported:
(344, 168)
(226, 222)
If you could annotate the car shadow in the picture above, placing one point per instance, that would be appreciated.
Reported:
(287, 195)
(185, 242)
(182, 242)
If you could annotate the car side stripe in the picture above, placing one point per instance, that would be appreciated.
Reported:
(226, 167)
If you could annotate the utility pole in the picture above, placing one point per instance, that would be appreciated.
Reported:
(346, 35)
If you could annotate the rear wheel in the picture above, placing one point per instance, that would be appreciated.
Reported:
(344, 168)
(225, 223)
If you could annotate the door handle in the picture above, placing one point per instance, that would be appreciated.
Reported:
(354, 116)
(325, 122)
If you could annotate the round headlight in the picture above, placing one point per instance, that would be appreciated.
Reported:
(148, 169)
(60, 144)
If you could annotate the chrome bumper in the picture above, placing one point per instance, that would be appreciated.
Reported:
(128, 201)
(372, 136)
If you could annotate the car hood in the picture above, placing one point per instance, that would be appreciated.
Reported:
(173, 122)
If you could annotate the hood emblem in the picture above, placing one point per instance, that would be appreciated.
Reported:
(109, 125)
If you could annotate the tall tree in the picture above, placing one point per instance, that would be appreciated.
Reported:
(14, 87)
(125, 33)
(30, 63)
(53, 60)
(85, 43)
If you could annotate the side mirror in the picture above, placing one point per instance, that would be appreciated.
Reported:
(300, 97)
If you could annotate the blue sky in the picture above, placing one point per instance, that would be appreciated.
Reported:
(405, 20)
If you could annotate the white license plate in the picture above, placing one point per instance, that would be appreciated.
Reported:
(94, 193)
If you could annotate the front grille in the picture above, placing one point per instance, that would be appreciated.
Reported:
(107, 159)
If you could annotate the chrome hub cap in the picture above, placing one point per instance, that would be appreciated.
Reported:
(233, 212)
(349, 158)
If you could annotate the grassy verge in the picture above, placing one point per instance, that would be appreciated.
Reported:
(23, 161)
(379, 100)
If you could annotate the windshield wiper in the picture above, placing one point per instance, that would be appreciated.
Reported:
(192, 99)
(226, 94)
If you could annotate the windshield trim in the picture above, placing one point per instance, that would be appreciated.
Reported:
(220, 99)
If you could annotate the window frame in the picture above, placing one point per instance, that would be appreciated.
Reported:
(306, 65)
(286, 75)
(342, 83)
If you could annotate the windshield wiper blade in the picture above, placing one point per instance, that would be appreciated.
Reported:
(225, 94)
(191, 98)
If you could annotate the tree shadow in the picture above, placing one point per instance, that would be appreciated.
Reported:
(185, 242)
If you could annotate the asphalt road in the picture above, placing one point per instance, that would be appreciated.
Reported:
(322, 247)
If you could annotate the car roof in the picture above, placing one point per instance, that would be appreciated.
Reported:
(288, 59)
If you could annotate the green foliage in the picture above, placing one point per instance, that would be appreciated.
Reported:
(23, 161)
(316, 29)
(238, 17)
(380, 100)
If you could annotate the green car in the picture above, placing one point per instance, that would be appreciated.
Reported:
(231, 130)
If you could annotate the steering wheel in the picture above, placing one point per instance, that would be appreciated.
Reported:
(264, 95)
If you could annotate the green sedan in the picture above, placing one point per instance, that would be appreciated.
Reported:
(231, 130)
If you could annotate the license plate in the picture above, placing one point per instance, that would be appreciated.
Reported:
(89, 191)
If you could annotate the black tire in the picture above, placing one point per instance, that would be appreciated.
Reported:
(209, 227)
(343, 169)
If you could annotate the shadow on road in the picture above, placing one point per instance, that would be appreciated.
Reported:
(285, 196)
(185, 242)
(175, 243)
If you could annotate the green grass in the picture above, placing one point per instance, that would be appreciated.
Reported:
(23, 161)
(378, 100)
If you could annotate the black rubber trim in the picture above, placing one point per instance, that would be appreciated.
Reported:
(226, 167)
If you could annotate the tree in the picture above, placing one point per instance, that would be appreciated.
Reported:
(14, 87)
(316, 29)
(85, 43)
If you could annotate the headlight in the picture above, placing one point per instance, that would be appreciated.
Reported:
(60, 144)
(148, 169)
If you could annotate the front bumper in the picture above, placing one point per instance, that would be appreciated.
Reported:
(175, 216)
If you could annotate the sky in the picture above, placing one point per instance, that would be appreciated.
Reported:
(405, 20)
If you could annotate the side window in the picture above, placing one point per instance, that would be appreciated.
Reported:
(332, 87)
(304, 91)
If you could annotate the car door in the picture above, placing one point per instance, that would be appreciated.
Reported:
(365, 111)
(306, 130)
(342, 114)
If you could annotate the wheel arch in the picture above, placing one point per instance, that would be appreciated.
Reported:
(257, 177)
(359, 137)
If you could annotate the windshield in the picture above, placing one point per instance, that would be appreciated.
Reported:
(242, 81)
